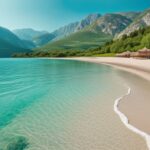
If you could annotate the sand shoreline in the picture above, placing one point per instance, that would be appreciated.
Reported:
(140, 68)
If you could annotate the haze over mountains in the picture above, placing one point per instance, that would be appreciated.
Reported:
(10, 43)
(28, 34)
(91, 32)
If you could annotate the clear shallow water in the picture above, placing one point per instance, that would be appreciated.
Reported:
(60, 105)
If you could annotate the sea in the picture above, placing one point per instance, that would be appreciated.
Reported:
(53, 104)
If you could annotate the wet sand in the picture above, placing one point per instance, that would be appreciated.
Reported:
(135, 106)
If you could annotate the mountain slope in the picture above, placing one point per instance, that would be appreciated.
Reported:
(87, 21)
(28, 34)
(7, 49)
(74, 27)
(81, 40)
(130, 15)
(134, 42)
(137, 40)
(65, 31)
(103, 29)
(8, 36)
(43, 39)
(143, 20)
(111, 23)
(10, 43)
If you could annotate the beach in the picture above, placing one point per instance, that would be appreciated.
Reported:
(73, 110)
(139, 67)
(135, 105)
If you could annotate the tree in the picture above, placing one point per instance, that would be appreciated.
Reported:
(146, 41)
(124, 37)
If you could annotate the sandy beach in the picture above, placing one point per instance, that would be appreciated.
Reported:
(139, 67)
(135, 106)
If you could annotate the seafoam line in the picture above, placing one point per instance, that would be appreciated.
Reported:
(125, 120)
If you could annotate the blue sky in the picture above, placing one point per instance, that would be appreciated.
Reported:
(52, 14)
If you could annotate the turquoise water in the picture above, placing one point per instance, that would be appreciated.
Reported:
(41, 102)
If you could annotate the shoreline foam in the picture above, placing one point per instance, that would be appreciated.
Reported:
(134, 66)
(125, 120)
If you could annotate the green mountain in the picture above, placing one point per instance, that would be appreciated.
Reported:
(28, 34)
(65, 30)
(133, 42)
(32, 37)
(7, 49)
(10, 43)
(43, 39)
(90, 33)
(98, 28)
(78, 41)
(93, 35)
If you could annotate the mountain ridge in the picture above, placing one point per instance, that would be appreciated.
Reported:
(143, 20)
(102, 20)
(91, 32)
(108, 25)
(10, 43)
(28, 33)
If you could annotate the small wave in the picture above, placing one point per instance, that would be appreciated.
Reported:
(17, 90)
(125, 120)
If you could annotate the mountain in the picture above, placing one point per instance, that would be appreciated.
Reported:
(130, 15)
(74, 27)
(143, 20)
(10, 43)
(8, 36)
(29, 44)
(65, 31)
(54, 36)
(91, 32)
(111, 24)
(43, 39)
(100, 30)
(133, 42)
(7, 49)
(28, 34)
(87, 21)
(81, 40)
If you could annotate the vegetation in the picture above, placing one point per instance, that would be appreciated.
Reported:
(82, 40)
(63, 53)
(135, 41)
(91, 36)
